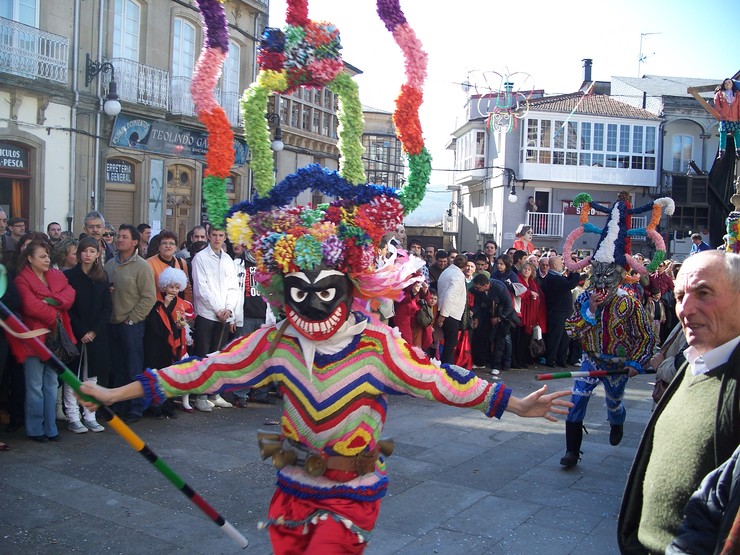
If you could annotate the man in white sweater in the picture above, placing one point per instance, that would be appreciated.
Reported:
(452, 302)
(215, 298)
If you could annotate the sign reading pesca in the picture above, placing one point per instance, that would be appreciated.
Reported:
(13, 157)
(162, 137)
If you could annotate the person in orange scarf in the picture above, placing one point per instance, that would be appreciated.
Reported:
(166, 333)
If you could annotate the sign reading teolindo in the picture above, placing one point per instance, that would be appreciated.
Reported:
(13, 157)
(162, 137)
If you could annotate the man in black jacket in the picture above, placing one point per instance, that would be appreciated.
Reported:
(493, 310)
(559, 305)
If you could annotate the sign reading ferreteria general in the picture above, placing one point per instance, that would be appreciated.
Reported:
(162, 137)
(13, 157)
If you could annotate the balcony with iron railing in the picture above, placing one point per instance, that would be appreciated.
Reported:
(139, 83)
(181, 102)
(32, 53)
(550, 224)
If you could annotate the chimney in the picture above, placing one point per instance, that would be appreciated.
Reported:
(587, 63)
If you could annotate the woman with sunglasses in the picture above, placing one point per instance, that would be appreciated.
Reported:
(109, 235)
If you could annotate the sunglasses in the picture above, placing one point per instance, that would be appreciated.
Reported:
(109, 234)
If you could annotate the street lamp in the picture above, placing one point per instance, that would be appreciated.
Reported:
(111, 105)
(509, 174)
(453, 204)
(277, 144)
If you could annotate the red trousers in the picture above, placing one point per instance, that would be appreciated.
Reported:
(326, 537)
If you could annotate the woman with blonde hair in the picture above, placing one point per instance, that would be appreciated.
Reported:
(90, 315)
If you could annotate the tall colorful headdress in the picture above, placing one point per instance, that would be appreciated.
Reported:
(615, 242)
(343, 234)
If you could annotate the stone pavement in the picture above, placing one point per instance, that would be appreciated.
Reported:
(460, 483)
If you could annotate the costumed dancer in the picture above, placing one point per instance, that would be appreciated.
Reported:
(728, 106)
(524, 235)
(615, 333)
(333, 364)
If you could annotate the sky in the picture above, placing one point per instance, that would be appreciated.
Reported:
(545, 40)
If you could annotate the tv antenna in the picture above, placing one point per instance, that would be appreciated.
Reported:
(643, 57)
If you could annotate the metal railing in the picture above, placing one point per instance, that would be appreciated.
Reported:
(33, 53)
(139, 83)
(181, 102)
(550, 224)
(546, 224)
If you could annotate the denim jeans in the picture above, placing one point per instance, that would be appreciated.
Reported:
(41, 397)
(127, 342)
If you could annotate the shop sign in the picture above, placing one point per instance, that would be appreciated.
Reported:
(163, 137)
(13, 157)
(119, 171)
(569, 209)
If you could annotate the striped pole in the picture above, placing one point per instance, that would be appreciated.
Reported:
(580, 374)
(119, 425)
(586, 374)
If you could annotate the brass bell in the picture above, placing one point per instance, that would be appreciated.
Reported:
(282, 458)
(386, 446)
(268, 448)
(315, 466)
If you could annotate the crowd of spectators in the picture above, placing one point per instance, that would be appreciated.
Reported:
(130, 300)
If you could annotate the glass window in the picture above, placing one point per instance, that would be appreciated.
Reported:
(571, 137)
(585, 137)
(650, 140)
(571, 158)
(231, 68)
(624, 138)
(598, 136)
(584, 159)
(637, 146)
(22, 11)
(611, 138)
(183, 48)
(681, 151)
(126, 25)
(598, 160)
(545, 131)
(559, 141)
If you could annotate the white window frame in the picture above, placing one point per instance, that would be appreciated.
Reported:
(682, 152)
(230, 79)
(183, 51)
(126, 29)
(16, 9)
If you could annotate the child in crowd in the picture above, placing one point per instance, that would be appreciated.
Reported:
(166, 333)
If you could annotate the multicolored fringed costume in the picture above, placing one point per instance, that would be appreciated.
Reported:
(618, 336)
(334, 404)
(333, 365)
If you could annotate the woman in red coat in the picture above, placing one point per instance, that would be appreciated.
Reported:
(45, 293)
(532, 303)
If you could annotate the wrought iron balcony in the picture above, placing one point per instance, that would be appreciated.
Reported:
(550, 224)
(139, 83)
(181, 102)
(30, 52)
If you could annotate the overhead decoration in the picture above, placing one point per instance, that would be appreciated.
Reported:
(220, 153)
(343, 234)
(615, 244)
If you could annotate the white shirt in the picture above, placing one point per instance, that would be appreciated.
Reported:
(701, 364)
(215, 284)
(453, 295)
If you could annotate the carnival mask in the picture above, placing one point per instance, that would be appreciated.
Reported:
(317, 302)
(606, 277)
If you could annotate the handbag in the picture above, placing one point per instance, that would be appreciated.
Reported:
(536, 348)
(424, 316)
(60, 344)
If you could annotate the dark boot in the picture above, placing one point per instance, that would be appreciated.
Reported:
(616, 433)
(573, 440)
